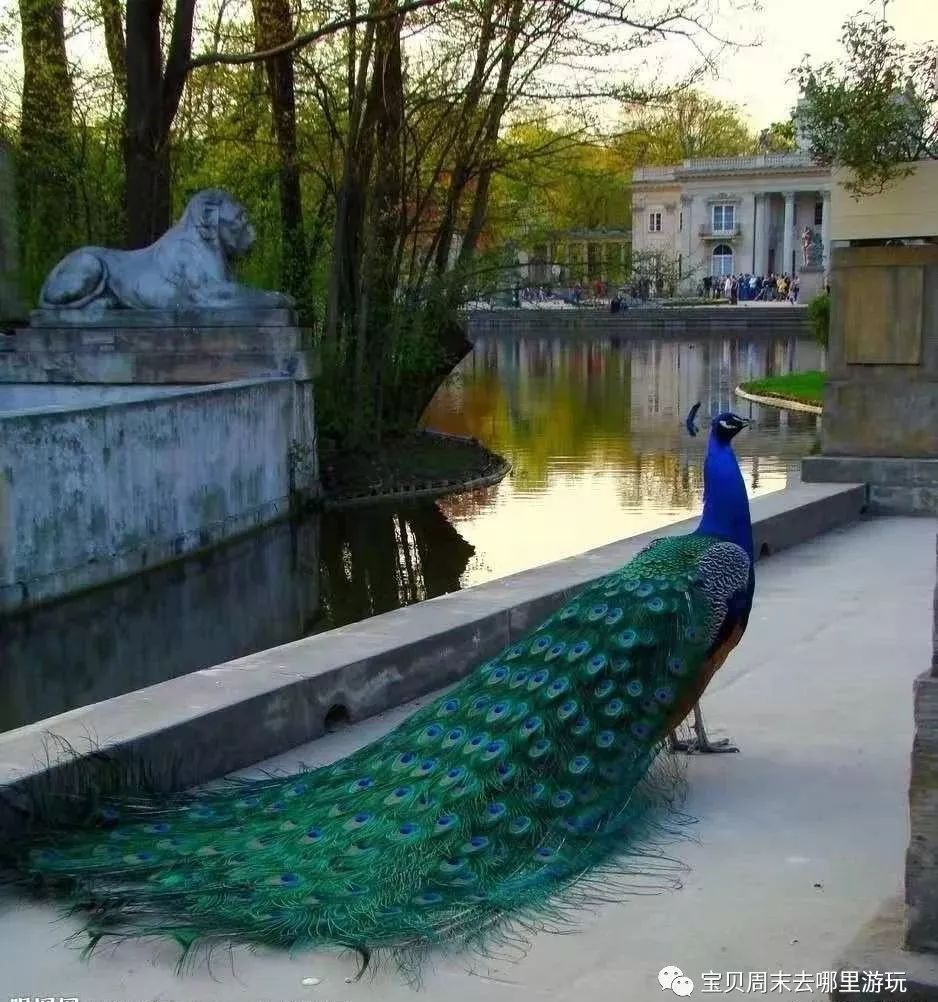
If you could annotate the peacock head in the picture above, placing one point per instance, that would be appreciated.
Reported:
(724, 427)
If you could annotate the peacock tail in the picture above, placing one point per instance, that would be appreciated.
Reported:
(525, 788)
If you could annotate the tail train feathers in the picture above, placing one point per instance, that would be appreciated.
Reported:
(529, 790)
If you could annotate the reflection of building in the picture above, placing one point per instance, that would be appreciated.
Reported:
(735, 215)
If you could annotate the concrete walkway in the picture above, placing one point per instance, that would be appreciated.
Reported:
(800, 836)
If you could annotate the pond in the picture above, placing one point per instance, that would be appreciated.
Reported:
(594, 429)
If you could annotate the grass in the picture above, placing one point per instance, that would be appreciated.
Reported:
(805, 387)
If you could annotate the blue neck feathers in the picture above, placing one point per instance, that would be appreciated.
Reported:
(726, 506)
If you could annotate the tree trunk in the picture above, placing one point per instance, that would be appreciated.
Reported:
(274, 26)
(45, 178)
(153, 96)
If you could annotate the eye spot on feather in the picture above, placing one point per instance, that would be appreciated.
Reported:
(558, 687)
(427, 898)
(498, 711)
(514, 652)
(567, 709)
(614, 617)
(449, 707)
(540, 645)
(479, 704)
(445, 823)
(538, 679)
(580, 648)
(596, 664)
(493, 749)
(614, 708)
(561, 799)
(581, 726)
(431, 733)
(536, 793)
(655, 604)
(519, 825)
(453, 865)
(635, 688)
(597, 612)
(677, 666)
(627, 638)
(519, 678)
(539, 748)
(579, 764)
(476, 844)
(568, 612)
(160, 826)
(531, 726)
(605, 739)
(644, 589)
(495, 811)
(604, 688)
(498, 676)
(555, 651)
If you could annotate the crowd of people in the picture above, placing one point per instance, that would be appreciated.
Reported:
(752, 288)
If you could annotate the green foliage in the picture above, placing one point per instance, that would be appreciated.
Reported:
(805, 387)
(874, 111)
(779, 137)
(819, 313)
(691, 125)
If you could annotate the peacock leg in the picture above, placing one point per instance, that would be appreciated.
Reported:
(703, 743)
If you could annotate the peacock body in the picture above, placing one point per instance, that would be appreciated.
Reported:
(521, 790)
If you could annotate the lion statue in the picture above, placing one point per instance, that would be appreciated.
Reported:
(188, 267)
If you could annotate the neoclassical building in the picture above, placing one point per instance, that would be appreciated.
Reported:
(735, 215)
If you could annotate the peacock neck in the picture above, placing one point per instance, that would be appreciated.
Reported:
(726, 506)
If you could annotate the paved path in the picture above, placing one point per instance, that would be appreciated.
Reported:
(800, 836)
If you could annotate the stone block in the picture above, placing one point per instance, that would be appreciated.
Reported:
(163, 319)
(877, 948)
(921, 871)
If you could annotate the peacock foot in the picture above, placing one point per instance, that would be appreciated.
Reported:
(695, 745)
(707, 747)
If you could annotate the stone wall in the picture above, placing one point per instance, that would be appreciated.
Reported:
(921, 867)
(108, 641)
(10, 305)
(670, 321)
(91, 494)
(882, 365)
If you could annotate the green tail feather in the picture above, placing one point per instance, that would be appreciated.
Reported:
(526, 792)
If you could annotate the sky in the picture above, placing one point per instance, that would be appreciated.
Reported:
(757, 79)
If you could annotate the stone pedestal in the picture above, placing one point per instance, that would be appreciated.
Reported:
(153, 347)
(903, 937)
(881, 402)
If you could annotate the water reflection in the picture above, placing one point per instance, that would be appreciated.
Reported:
(594, 430)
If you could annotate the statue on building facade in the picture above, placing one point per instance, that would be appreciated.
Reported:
(189, 267)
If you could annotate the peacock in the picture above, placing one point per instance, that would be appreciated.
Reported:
(531, 787)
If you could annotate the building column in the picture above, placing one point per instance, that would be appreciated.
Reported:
(586, 261)
(789, 234)
(826, 232)
(761, 235)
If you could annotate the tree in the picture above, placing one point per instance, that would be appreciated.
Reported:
(875, 110)
(690, 125)
(779, 137)
(273, 21)
(45, 175)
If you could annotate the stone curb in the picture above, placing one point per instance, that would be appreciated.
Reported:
(211, 722)
(784, 403)
(431, 490)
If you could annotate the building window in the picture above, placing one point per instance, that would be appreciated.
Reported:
(680, 221)
(680, 266)
(818, 213)
(722, 259)
(724, 218)
(654, 222)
